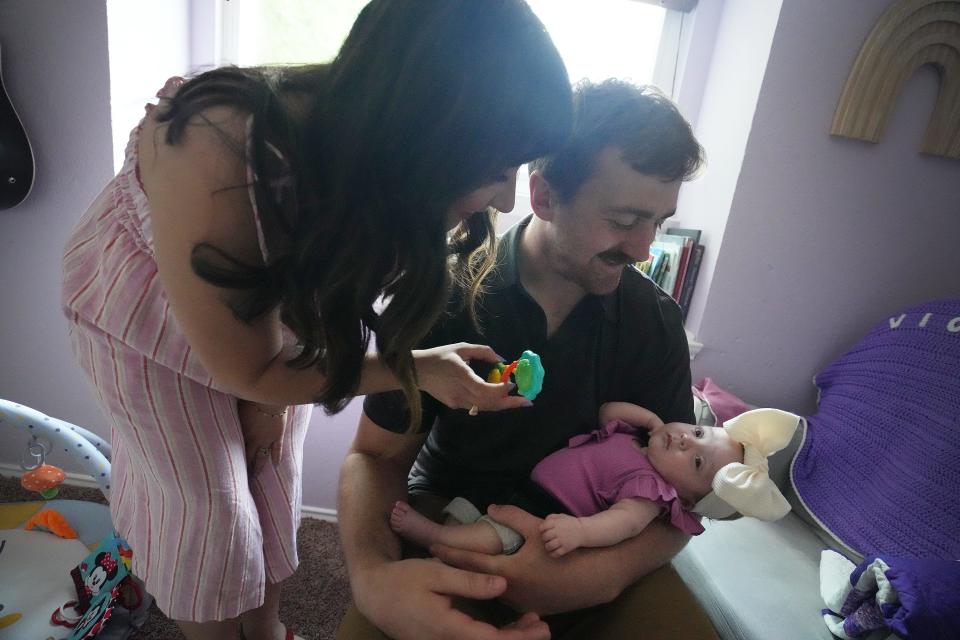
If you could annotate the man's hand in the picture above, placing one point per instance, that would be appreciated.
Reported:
(583, 578)
(406, 599)
(535, 581)
(561, 534)
(412, 600)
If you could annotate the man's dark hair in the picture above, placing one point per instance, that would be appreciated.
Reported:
(639, 120)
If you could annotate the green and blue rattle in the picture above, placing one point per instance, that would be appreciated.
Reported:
(527, 371)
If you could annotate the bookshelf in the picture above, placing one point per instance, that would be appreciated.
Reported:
(674, 264)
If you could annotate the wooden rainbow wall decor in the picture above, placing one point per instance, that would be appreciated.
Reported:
(910, 34)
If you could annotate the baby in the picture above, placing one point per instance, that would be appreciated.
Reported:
(614, 481)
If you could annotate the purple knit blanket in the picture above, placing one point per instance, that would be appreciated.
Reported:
(880, 464)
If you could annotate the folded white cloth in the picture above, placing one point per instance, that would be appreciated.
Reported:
(835, 589)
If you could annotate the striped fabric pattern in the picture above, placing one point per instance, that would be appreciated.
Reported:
(206, 537)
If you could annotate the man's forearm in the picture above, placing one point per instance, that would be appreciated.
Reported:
(635, 557)
(604, 572)
(369, 486)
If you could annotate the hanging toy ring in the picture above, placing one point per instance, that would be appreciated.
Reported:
(35, 454)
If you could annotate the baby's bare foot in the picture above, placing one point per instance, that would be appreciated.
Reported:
(413, 526)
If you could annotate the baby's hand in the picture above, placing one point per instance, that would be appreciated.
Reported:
(561, 534)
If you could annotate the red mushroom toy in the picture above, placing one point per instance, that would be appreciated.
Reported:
(44, 480)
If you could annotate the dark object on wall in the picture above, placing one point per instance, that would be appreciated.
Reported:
(16, 157)
(911, 33)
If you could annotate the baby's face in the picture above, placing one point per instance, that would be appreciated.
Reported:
(688, 456)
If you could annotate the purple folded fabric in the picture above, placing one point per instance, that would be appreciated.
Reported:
(924, 603)
(879, 464)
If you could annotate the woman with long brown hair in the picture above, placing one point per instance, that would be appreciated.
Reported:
(230, 275)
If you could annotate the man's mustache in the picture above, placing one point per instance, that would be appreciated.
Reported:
(617, 257)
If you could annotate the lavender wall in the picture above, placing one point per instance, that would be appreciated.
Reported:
(56, 71)
(729, 80)
(824, 236)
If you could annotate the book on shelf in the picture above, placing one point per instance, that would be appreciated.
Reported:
(680, 256)
(652, 263)
(673, 248)
(692, 237)
(693, 234)
(663, 268)
(690, 279)
(682, 268)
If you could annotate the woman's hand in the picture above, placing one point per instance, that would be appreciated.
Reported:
(262, 426)
(445, 374)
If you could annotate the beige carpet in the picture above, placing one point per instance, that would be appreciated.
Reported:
(314, 598)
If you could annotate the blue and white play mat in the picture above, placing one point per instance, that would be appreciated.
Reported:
(35, 565)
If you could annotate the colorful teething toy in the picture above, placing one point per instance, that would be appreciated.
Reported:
(527, 372)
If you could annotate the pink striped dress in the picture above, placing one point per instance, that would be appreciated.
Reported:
(206, 537)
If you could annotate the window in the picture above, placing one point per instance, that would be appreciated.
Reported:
(597, 39)
(285, 31)
(601, 39)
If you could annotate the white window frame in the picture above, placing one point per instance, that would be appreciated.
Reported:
(228, 30)
(671, 55)
(673, 42)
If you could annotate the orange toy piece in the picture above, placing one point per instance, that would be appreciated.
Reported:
(505, 374)
(44, 479)
(53, 521)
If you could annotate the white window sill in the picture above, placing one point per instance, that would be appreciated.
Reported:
(693, 345)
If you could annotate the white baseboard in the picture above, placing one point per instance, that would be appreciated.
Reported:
(319, 513)
(85, 481)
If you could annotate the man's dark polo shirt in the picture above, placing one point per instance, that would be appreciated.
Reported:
(626, 346)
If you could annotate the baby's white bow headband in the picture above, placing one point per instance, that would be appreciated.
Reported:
(746, 486)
